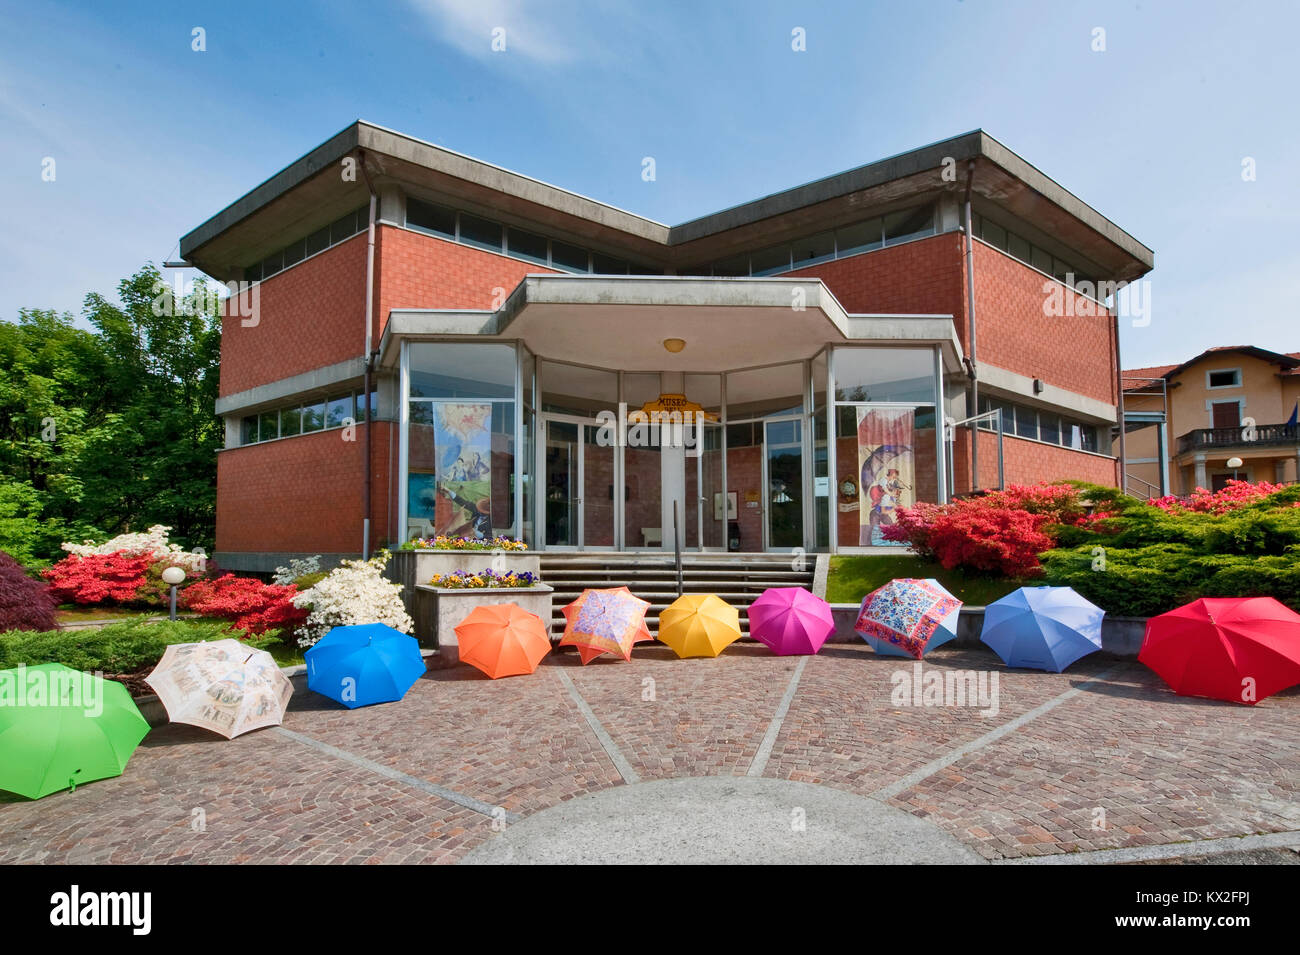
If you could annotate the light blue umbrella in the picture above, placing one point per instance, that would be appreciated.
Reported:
(1042, 628)
(363, 664)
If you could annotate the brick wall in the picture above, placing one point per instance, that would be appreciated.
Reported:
(414, 270)
(309, 316)
(301, 494)
(921, 277)
(1072, 352)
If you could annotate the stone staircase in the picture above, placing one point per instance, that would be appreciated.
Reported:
(739, 579)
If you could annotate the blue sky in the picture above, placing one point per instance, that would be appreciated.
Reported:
(150, 138)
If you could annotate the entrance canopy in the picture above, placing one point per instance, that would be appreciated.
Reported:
(623, 321)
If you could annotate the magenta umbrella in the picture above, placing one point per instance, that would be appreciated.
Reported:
(790, 620)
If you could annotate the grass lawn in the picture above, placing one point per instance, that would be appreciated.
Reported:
(71, 613)
(852, 577)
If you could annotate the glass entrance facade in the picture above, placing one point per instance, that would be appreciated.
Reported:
(806, 455)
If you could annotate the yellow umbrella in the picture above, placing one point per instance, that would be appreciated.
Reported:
(699, 625)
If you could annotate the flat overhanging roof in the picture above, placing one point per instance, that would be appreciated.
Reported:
(310, 193)
(621, 322)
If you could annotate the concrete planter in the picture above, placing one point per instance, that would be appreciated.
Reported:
(1120, 636)
(413, 568)
(439, 609)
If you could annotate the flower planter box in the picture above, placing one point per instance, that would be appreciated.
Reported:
(439, 609)
(414, 568)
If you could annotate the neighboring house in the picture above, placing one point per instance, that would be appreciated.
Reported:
(1235, 401)
(501, 324)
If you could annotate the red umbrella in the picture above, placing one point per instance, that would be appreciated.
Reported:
(1238, 649)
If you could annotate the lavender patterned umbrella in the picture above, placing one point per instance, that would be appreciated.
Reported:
(605, 621)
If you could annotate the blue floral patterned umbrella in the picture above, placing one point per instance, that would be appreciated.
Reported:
(906, 617)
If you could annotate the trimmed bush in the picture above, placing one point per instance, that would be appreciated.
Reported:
(117, 648)
(97, 578)
(25, 604)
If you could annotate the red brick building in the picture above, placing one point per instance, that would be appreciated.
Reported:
(424, 343)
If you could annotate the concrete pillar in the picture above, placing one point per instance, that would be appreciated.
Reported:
(1201, 479)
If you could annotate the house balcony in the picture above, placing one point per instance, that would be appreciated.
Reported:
(1239, 438)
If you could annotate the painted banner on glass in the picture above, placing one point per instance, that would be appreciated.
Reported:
(462, 441)
(887, 469)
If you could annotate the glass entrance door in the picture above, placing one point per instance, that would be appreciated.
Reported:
(577, 498)
(783, 467)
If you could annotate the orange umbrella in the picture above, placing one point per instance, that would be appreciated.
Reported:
(605, 621)
(502, 640)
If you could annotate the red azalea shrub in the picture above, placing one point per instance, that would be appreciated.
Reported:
(248, 603)
(1002, 532)
(1234, 495)
(25, 604)
(98, 578)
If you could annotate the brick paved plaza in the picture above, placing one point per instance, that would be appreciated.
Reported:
(1103, 757)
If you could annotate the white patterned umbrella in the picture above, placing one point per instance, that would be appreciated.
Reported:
(222, 685)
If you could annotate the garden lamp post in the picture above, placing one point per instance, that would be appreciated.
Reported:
(1234, 463)
(173, 576)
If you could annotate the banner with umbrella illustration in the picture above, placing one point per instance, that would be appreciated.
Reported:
(606, 620)
(907, 617)
(222, 685)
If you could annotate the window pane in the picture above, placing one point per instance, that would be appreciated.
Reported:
(862, 237)
(1061, 270)
(253, 273)
(909, 224)
(248, 430)
(994, 234)
(1019, 247)
(740, 435)
(268, 426)
(293, 254)
(318, 241)
(884, 374)
(313, 417)
(1049, 428)
(482, 233)
(344, 228)
(607, 265)
(462, 370)
(290, 422)
(817, 248)
(1223, 379)
(272, 264)
(570, 257)
(1026, 422)
(427, 216)
(1041, 260)
(527, 245)
(736, 265)
(360, 414)
(772, 260)
(337, 409)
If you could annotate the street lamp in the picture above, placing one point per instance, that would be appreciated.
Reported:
(173, 576)
(1234, 463)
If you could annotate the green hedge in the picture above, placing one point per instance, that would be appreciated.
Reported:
(117, 648)
(1155, 561)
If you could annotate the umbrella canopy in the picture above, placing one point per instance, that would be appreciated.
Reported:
(364, 663)
(605, 621)
(699, 625)
(502, 640)
(908, 616)
(1239, 649)
(1042, 628)
(790, 620)
(222, 685)
(60, 728)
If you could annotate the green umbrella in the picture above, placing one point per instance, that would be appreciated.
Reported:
(60, 727)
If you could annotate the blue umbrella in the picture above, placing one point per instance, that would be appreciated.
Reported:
(363, 664)
(1042, 628)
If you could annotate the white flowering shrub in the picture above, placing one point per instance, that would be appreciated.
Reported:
(298, 567)
(152, 542)
(356, 592)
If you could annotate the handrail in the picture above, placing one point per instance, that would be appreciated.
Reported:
(677, 548)
(1239, 436)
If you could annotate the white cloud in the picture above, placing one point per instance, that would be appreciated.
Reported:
(469, 26)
